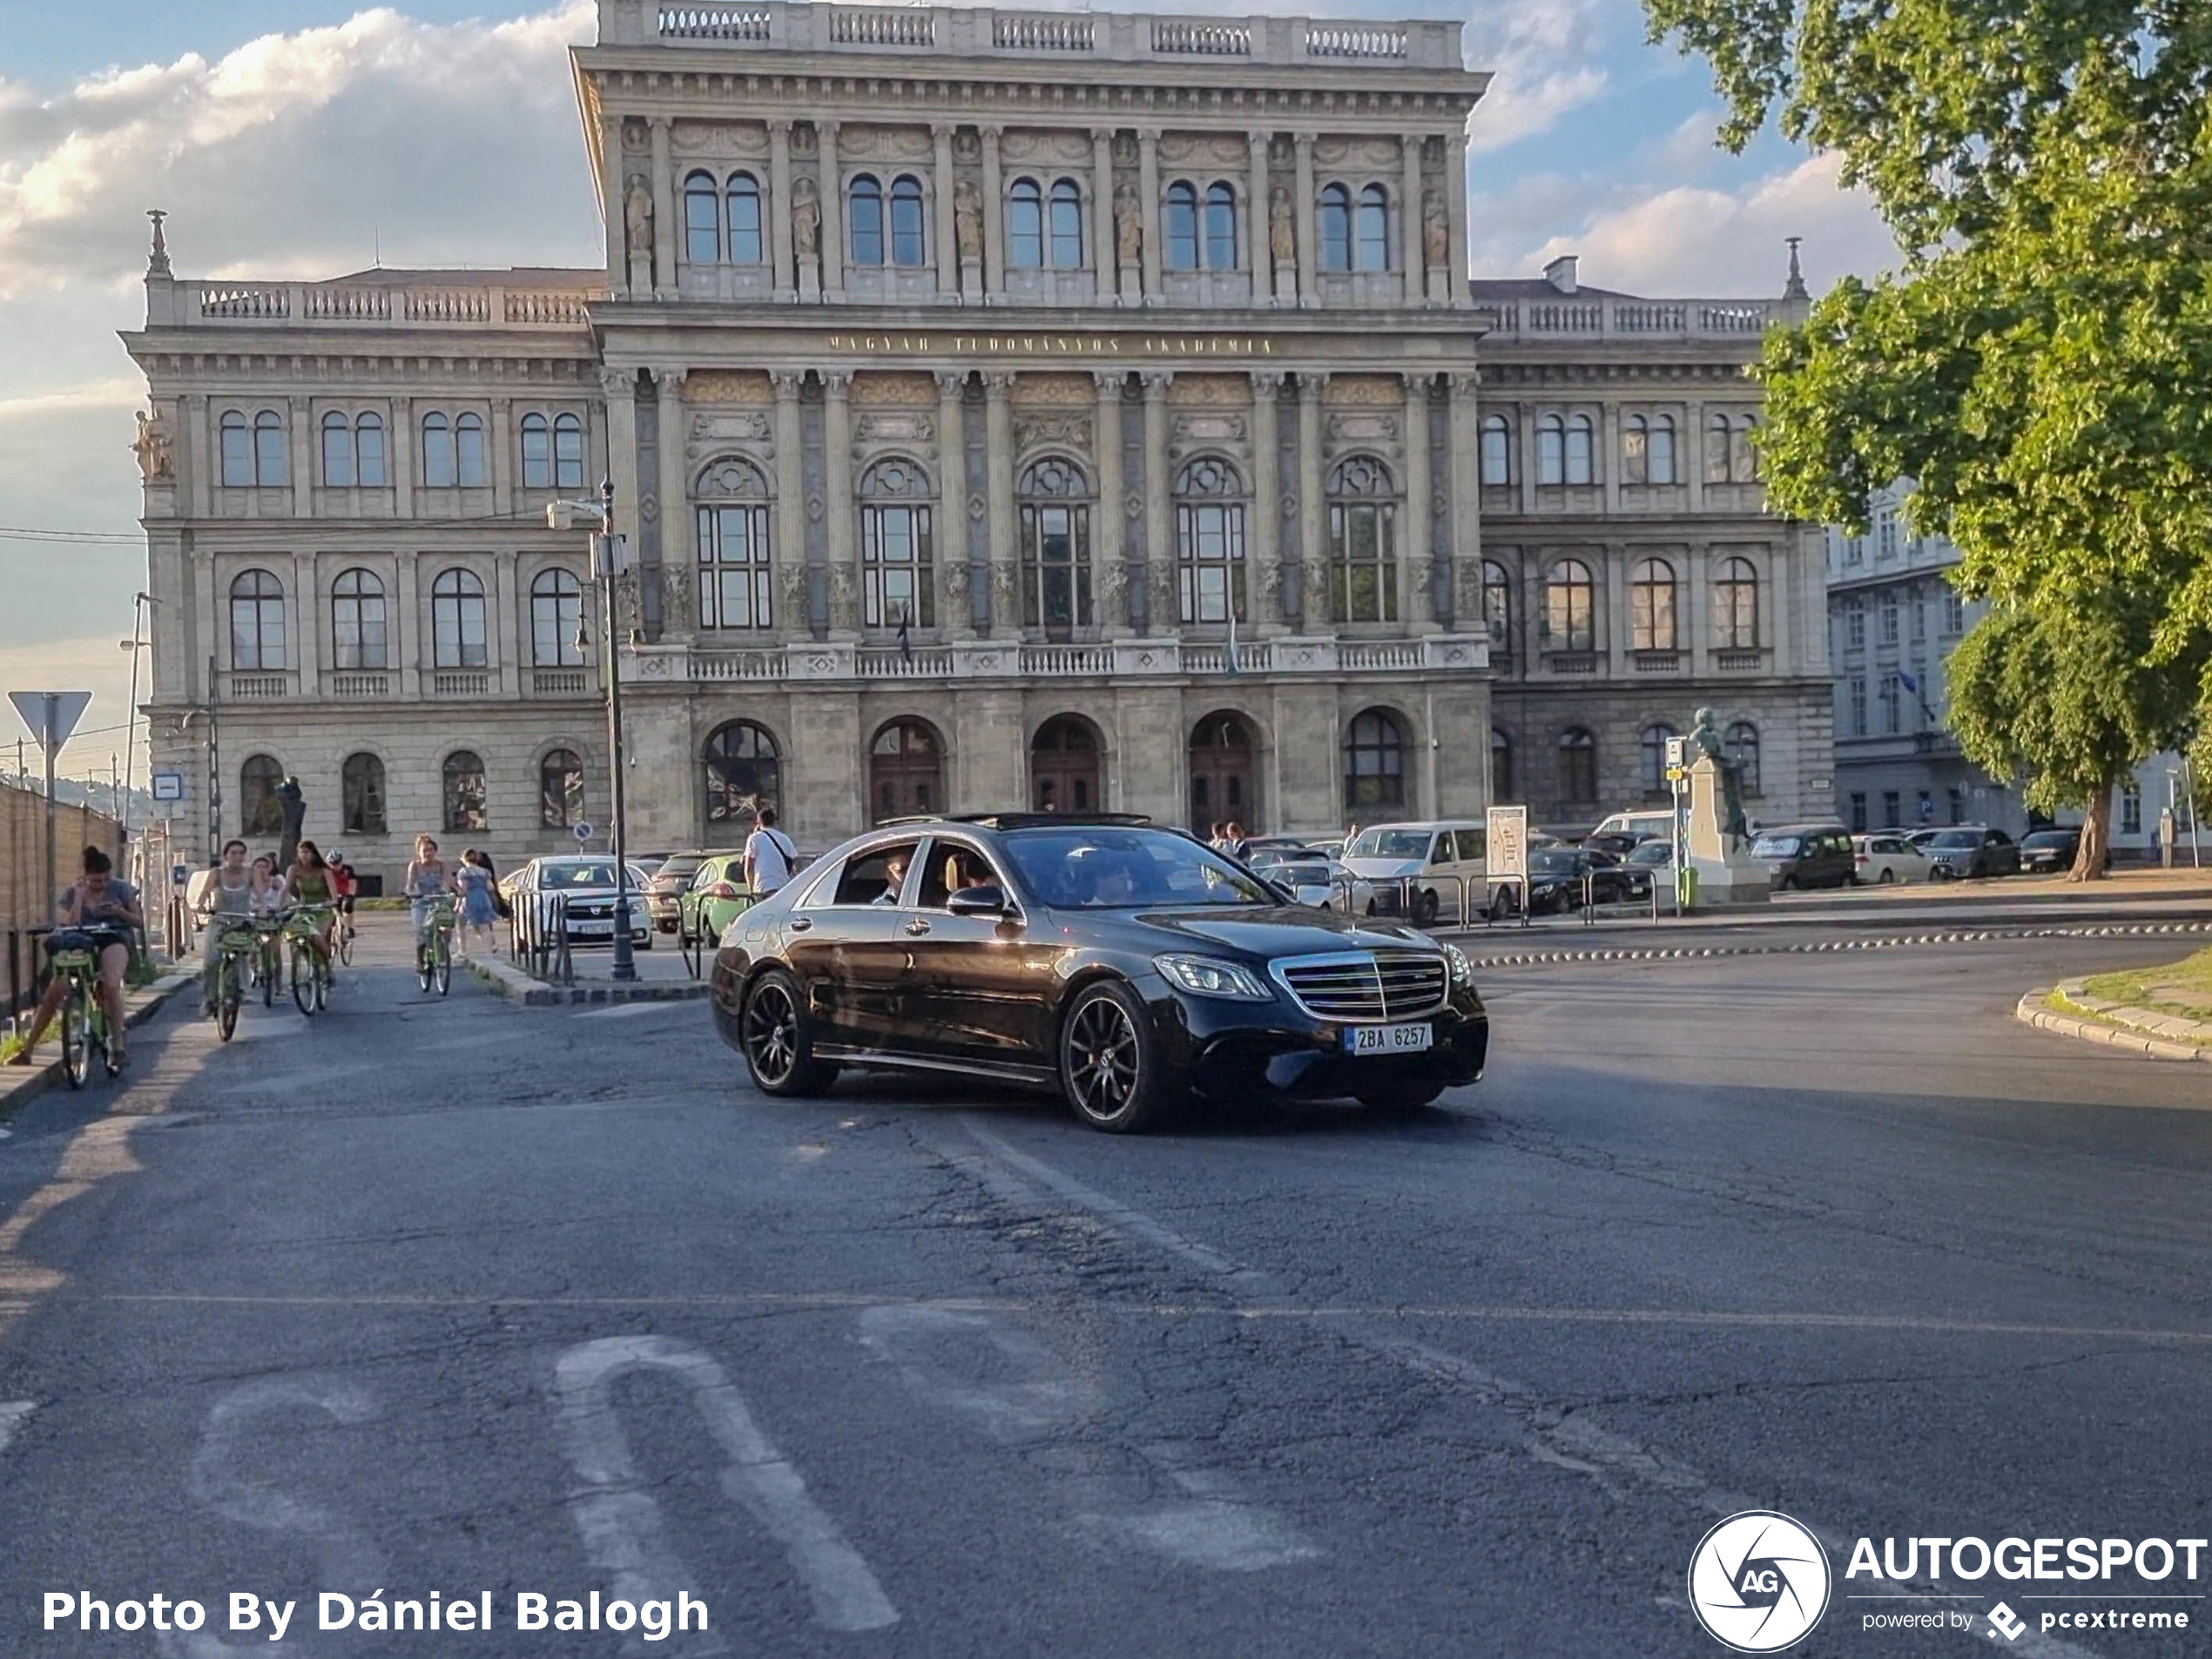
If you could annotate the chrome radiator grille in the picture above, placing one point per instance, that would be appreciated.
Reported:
(1365, 985)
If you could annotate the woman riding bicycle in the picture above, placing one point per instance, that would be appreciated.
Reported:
(227, 901)
(427, 882)
(98, 914)
(308, 882)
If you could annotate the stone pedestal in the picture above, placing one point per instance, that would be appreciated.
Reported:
(1132, 284)
(1439, 285)
(810, 286)
(971, 282)
(1286, 287)
(1727, 874)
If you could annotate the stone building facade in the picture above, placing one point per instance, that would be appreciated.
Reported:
(1054, 409)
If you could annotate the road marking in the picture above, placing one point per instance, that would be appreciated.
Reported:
(12, 1413)
(621, 1524)
(1554, 1431)
(623, 1010)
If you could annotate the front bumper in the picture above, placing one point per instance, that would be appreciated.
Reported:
(1227, 1050)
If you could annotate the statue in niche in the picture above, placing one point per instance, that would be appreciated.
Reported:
(1129, 224)
(799, 597)
(156, 445)
(1114, 602)
(806, 221)
(967, 222)
(675, 599)
(637, 217)
(1282, 226)
(1436, 232)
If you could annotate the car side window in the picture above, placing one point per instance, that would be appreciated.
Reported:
(874, 877)
(1471, 847)
(1439, 849)
(951, 866)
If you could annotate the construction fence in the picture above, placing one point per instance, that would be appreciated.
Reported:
(28, 889)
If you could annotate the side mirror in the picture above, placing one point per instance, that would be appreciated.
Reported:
(986, 901)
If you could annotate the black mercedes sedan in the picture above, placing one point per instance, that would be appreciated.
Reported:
(1123, 964)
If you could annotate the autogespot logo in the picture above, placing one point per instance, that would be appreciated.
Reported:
(1758, 1581)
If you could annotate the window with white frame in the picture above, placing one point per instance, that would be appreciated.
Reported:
(257, 622)
(1497, 449)
(898, 584)
(358, 635)
(457, 631)
(556, 619)
(735, 586)
(1363, 553)
(1210, 541)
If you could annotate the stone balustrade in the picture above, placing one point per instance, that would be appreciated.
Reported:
(378, 305)
(984, 659)
(1590, 317)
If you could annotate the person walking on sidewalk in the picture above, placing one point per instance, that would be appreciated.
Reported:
(472, 878)
(769, 855)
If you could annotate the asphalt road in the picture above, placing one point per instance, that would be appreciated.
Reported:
(444, 1295)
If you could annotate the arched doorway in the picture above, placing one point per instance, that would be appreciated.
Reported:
(1063, 767)
(905, 771)
(1221, 774)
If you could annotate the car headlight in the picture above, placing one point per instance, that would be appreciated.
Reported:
(1209, 976)
(1462, 969)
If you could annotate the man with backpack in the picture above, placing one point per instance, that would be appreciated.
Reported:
(769, 855)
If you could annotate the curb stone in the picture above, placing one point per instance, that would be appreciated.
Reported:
(510, 983)
(1893, 941)
(2034, 1009)
(140, 1004)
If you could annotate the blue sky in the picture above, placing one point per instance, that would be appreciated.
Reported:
(293, 137)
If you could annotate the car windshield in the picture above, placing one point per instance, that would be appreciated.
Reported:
(556, 874)
(1104, 867)
(1653, 852)
(680, 865)
(1775, 847)
(1553, 860)
(2049, 837)
(1389, 844)
(1957, 838)
(1310, 874)
(1261, 857)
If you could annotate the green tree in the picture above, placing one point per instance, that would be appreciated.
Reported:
(2038, 364)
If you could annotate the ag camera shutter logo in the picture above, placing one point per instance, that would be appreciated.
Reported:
(1758, 1581)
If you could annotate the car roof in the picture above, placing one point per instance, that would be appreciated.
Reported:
(1011, 820)
(1814, 827)
(1426, 824)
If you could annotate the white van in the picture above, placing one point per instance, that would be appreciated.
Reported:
(1386, 855)
(1659, 825)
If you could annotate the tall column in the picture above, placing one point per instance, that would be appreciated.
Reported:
(783, 277)
(1466, 541)
(1313, 579)
(1409, 219)
(1267, 504)
(611, 208)
(1417, 559)
(1455, 217)
(673, 490)
(664, 227)
(832, 197)
(998, 459)
(404, 446)
(1689, 453)
(1255, 218)
(1608, 459)
(994, 215)
(303, 441)
(1162, 613)
(1110, 574)
(500, 446)
(620, 388)
(1308, 293)
(1148, 187)
(836, 497)
(955, 607)
(1101, 212)
(789, 516)
(947, 249)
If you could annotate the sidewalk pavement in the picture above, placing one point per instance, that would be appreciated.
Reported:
(662, 977)
(18, 1084)
(2071, 1011)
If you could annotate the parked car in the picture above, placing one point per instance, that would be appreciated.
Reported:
(1968, 850)
(1451, 853)
(587, 881)
(1124, 966)
(716, 894)
(1324, 883)
(1807, 855)
(1619, 843)
(2047, 852)
(1559, 876)
(1884, 859)
(1273, 846)
(670, 877)
(1331, 848)
(1920, 838)
(1643, 824)
(1261, 857)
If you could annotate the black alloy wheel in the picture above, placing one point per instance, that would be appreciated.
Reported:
(778, 1041)
(1424, 905)
(1109, 1067)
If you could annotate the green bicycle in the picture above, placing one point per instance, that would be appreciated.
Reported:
(433, 950)
(310, 969)
(236, 948)
(268, 959)
(83, 1022)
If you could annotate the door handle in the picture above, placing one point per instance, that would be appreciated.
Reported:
(918, 926)
(800, 924)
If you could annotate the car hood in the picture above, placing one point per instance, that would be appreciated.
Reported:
(1387, 867)
(1279, 930)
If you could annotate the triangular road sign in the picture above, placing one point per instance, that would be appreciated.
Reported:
(51, 716)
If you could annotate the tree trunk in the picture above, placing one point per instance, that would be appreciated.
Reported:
(2093, 859)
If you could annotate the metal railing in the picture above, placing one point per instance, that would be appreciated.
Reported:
(537, 936)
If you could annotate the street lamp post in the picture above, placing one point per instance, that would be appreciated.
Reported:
(606, 558)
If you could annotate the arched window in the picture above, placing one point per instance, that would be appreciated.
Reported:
(337, 452)
(560, 789)
(745, 247)
(865, 196)
(1025, 225)
(1635, 450)
(457, 619)
(1570, 600)
(1735, 607)
(464, 792)
(1374, 764)
(907, 244)
(701, 220)
(1580, 449)
(1221, 227)
(906, 770)
(1741, 743)
(469, 451)
(1577, 766)
(269, 468)
(1336, 228)
(1183, 225)
(898, 571)
(1497, 605)
(1744, 452)
(1654, 747)
(735, 586)
(259, 811)
(1551, 450)
(1651, 606)
(537, 453)
(1662, 450)
(1064, 772)
(357, 631)
(440, 464)
(741, 772)
(1497, 449)
(1220, 767)
(1500, 765)
(257, 622)
(1055, 547)
(556, 617)
(360, 788)
(1373, 251)
(369, 451)
(1718, 468)
(568, 452)
(1210, 541)
(238, 452)
(1066, 247)
(1363, 559)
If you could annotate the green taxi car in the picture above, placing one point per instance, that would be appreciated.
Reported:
(717, 892)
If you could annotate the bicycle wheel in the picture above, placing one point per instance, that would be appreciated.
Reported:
(326, 977)
(443, 965)
(227, 995)
(423, 974)
(77, 1037)
(345, 937)
(303, 979)
(269, 971)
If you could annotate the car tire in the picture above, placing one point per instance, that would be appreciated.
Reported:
(1402, 1098)
(777, 1039)
(1887, 876)
(1110, 1069)
(1425, 906)
(1789, 883)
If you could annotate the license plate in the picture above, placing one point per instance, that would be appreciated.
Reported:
(580, 926)
(1388, 1039)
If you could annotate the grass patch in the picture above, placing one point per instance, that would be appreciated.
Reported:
(2137, 986)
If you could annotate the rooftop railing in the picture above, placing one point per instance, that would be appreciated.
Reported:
(805, 25)
(993, 659)
(371, 305)
(1605, 319)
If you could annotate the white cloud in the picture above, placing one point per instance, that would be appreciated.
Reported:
(93, 663)
(1545, 62)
